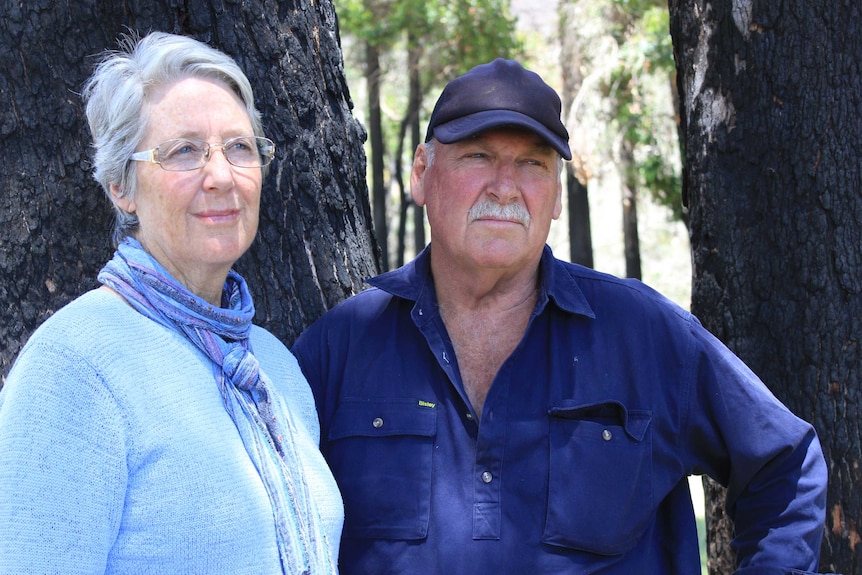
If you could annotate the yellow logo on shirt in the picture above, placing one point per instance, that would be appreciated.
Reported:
(427, 404)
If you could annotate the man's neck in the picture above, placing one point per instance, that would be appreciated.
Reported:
(484, 290)
(486, 316)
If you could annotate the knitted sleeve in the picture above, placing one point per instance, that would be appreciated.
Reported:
(62, 464)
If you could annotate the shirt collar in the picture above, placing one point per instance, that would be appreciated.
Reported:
(558, 284)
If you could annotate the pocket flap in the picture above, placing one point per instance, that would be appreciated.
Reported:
(384, 417)
(635, 422)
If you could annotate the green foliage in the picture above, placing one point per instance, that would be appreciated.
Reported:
(455, 34)
(421, 46)
(645, 64)
(481, 30)
(452, 36)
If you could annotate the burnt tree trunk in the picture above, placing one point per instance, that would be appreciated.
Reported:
(414, 56)
(379, 195)
(580, 230)
(631, 236)
(315, 243)
(772, 118)
(577, 196)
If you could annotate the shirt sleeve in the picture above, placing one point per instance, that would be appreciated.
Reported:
(62, 465)
(308, 350)
(770, 461)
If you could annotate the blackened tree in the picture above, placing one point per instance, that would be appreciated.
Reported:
(315, 243)
(771, 101)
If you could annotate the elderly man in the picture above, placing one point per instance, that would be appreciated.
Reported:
(488, 408)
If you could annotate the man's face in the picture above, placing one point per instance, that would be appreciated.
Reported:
(490, 199)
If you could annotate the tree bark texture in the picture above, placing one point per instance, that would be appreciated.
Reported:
(315, 243)
(772, 118)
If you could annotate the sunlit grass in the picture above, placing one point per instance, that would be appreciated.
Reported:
(701, 536)
(695, 485)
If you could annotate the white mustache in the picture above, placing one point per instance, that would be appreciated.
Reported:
(487, 208)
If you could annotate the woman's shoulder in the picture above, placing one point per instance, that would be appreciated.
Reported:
(93, 314)
(274, 356)
(265, 339)
(280, 368)
(98, 327)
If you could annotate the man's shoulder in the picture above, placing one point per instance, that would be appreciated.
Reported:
(369, 299)
(601, 289)
(358, 310)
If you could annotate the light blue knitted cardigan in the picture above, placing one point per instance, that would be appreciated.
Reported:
(118, 457)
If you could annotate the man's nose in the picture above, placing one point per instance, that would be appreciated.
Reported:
(504, 188)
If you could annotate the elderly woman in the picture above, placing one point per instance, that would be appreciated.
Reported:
(148, 426)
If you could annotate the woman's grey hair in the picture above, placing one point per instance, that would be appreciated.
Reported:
(117, 92)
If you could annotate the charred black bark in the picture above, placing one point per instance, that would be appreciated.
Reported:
(315, 243)
(771, 108)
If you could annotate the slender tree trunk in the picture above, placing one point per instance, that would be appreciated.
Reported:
(580, 230)
(315, 243)
(771, 112)
(631, 238)
(410, 124)
(373, 78)
(414, 56)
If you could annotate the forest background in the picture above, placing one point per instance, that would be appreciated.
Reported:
(767, 100)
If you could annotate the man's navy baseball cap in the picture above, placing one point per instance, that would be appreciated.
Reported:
(500, 93)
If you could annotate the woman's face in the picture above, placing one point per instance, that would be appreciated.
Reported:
(196, 223)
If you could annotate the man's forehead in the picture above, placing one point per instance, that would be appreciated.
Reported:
(508, 132)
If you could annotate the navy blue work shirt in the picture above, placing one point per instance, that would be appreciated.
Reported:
(588, 433)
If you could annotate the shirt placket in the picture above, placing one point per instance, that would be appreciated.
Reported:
(488, 478)
(488, 470)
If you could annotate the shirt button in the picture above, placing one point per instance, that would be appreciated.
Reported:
(378, 422)
(469, 417)
(607, 435)
(487, 477)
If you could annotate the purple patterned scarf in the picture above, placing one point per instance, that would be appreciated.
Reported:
(266, 430)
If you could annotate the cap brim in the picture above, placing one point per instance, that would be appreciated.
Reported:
(466, 126)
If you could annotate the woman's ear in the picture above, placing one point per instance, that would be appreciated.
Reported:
(122, 201)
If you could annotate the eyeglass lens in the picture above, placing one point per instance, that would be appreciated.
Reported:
(190, 154)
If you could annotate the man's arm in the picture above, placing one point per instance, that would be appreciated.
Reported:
(770, 461)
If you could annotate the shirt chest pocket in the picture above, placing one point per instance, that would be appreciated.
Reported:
(381, 453)
(600, 480)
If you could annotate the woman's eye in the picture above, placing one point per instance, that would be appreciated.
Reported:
(183, 149)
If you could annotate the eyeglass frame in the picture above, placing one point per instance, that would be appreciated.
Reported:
(151, 155)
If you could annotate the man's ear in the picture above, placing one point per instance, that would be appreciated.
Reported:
(417, 174)
(122, 201)
(558, 205)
